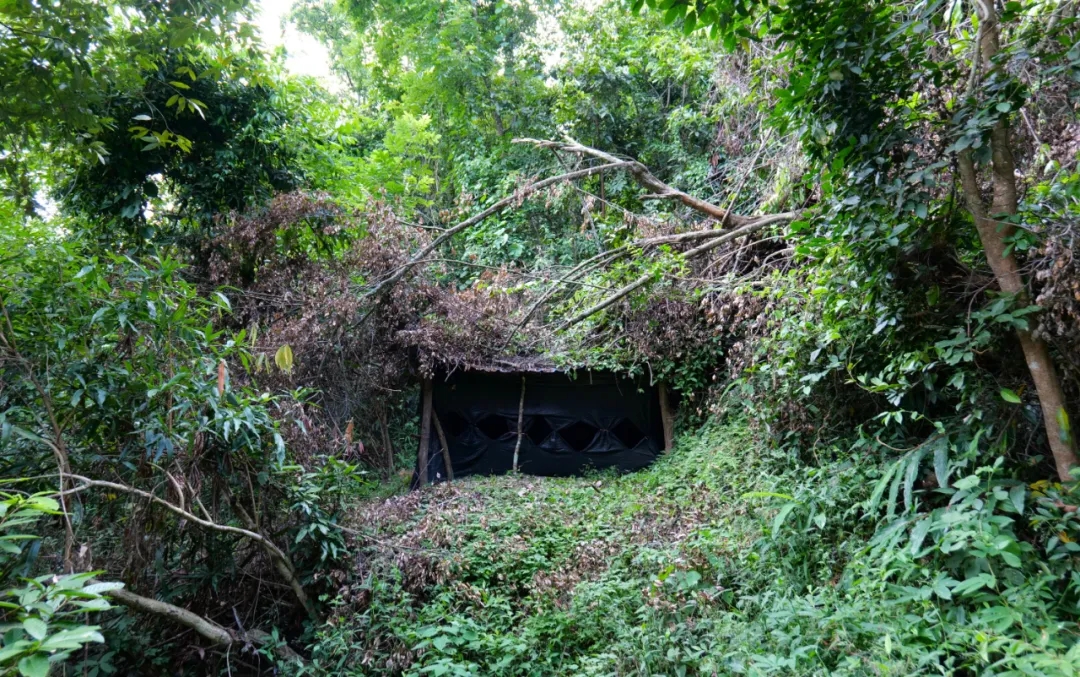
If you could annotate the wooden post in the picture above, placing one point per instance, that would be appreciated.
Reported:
(445, 447)
(521, 418)
(667, 417)
(425, 430)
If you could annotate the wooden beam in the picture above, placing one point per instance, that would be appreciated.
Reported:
(425, 430)
(667, 417)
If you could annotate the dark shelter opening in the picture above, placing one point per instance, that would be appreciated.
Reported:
(569, 423)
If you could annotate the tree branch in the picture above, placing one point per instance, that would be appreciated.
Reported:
(278, 557)
(208, 629)
(646, 179)
(519, 194)
(718, 238)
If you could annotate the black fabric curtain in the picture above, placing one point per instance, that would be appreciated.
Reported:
(591, 420)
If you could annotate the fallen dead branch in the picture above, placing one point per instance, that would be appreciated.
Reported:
(720, 238)
(281, 560)
(209, 630)
(646, 179)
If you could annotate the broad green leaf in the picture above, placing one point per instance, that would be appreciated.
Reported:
(36, 628)
(910, 476)
(781, 516)
(36, 665)
(1017, 495)
(942, 585)
(941, 461)
(43, 503)
(1010, 396)
(918, 535)
(284, 358)
(879, 488)
(967, 483)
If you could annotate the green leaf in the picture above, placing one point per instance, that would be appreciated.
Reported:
(1017, 495)
(781, 516)
(894, 491)
(997, 617)
(910, 477)
(1010, 396)
(879, 489)
(36, 665)
(941, 462)
(36, 628)
(181, 36)
(284, 358)
(73, 638)
(918, 535)
(942, 585)
(689, 23)
(43, 503)
(968, 483)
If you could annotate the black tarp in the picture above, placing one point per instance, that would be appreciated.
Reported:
(571, 423)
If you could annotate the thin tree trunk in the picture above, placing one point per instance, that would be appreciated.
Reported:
(445, 446)
(994, 234)
(385, 432)
(667, 417)
(521, 419)
(425, 430)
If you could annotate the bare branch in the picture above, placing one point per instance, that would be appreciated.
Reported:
(647, 180)
(719, 238)
(205, 627)
(614, 254)
(525, 191)
(278, 557)
(208, 629)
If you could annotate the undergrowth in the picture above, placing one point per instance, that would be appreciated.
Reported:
(723, 558)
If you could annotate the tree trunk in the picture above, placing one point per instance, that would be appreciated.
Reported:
(445, 446)
(384, 430)
(425, 430)
(667, 417)
(521, 420)
(994, 235)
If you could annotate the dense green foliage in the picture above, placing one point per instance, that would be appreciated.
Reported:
(724, 558)
(213, 330)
